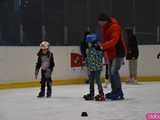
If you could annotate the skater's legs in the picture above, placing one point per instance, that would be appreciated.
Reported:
(114, 68)
(98, 81)
(130, 69)
(134, 69)
(91, 81)
(106, 72)
(49, 87)
(42, 89)
(43, 81)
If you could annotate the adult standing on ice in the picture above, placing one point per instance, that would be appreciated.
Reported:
(114, 47)
(132, 55)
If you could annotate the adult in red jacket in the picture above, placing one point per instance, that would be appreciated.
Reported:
(114, 47)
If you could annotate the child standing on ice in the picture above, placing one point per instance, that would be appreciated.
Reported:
(46, 63)
(94, 65)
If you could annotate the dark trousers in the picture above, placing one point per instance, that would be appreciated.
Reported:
(114, 67)
(44, 81)
(95, 75)
(106, 72)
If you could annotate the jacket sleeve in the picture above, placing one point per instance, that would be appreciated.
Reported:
(83, 48)
(115, 35)
(52, 63)
(38, 65)
(134, 47)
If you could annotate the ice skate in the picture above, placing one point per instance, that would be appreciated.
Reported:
(88, 97)
(40, 95)
(49, 95)
(115, 97)
(108, 95)
(100, 97)
(132, 82)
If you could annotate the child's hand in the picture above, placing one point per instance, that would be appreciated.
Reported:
(36, 75)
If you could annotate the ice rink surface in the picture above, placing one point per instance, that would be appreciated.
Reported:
(66, 104)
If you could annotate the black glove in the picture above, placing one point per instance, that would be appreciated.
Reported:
(158, 55)
(97, 46)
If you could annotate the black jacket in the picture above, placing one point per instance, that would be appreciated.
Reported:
(39, 61)
(132, 46)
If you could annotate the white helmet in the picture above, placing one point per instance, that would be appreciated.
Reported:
(44, 45)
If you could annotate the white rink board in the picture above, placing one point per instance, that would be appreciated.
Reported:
(17, 63)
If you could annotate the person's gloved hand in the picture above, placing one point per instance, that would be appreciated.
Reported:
(158, 55)
(98, 47)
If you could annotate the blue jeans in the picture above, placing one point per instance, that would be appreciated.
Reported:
(114, 67)
(95, 75)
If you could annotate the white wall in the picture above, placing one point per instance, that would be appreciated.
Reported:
(148, 64)
(17, 63)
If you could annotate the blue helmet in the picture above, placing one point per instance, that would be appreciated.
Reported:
(92, 37)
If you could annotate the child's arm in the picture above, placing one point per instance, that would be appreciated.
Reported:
(52, 63)
(38, 65)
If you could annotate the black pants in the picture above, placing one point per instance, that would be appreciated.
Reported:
(106, 72)
(95, 75)
(45, 81)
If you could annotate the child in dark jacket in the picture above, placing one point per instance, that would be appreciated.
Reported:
(94, 65)
(46, 63)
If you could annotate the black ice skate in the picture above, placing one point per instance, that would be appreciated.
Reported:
(115, 96)
(100, 97)
(108, 95)
(40, 95)
(88, 97)
(48, 95)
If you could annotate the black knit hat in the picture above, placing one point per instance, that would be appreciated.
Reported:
(103, 17)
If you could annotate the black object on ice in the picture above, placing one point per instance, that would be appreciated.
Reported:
(84, 114)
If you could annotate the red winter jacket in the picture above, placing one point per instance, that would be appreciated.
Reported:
(112, 43)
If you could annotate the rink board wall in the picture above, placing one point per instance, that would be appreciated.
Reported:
(17, 64)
